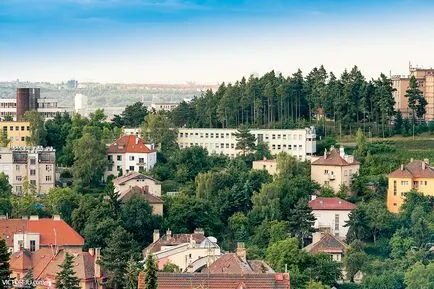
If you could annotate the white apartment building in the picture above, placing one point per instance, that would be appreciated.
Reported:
(48, 108)
(129, 153)
(301, 143)
(37, 165)
(163, 106)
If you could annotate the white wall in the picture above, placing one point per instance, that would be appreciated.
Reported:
(326, 218)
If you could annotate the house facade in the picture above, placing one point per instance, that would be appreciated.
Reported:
(334, 169)
(300, 143)
(130, 153)
(35, 165)
(331, 215)
(16, 132)
(190, 252)
(329, 244)
(416, 175)
(269, 165)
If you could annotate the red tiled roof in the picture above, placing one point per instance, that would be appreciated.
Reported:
(233, 264)
(331, 204)
(138, 191)
(333, 158)
(129, 144)
(219, 281)
(415, 169)
(327, 244)
(52, 232)
(174, 240)
(21, 261)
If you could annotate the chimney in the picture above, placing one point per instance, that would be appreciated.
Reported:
(137, 140)
(34, 218)
(325, 153)
(411, 160)
(24, 218)
(316, 236)
(98, 271)
(199, 231)
(56, 218)
(402, 167)
(423, 165)
(264, 159)
(156, 236)
(91, 251)
(241, 251)
(342, 151)
(313, 197)
(168, 233)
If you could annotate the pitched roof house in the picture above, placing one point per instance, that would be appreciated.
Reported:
(327, 243)
(334, 169)
(331, 215)
(45, 265)
(416, 175)
(34, 233)
(130, 153)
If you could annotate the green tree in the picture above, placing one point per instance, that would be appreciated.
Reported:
(151, 279)
(361, 149)
(8, 117)
(66, 278)
(5, 195)
(4, 263)
(170, 267)
(245, 140)
(120, 248)
(315, 285)
(38, 133)
(90, 161)
(416, 100)
(131, 274)
(301, 220)
(29, 280)
(5, 139)
(134, 115)
(420, 276)
(398, 122)
(354, 259)
(158, 129)
(62, 201)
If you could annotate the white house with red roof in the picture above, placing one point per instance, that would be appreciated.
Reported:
(331, 215)
(334, 168)
(130, 153)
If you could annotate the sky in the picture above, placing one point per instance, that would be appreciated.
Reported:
(209, 41)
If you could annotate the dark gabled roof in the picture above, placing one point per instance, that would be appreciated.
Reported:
(333, 158)
(140, 191)
(174, 240)
(232, 263)
(415, 169)
(327, 244)
(132, 175)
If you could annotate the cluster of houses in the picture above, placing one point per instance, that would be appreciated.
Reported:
(41, 244)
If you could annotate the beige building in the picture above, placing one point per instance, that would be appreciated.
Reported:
(300, 143)
(136, 184)
(334, 169)
(35, 165)
(190, 252)
(17, 132)
(269, 165)
(425, 79)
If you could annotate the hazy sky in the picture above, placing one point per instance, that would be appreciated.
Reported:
(209, 41)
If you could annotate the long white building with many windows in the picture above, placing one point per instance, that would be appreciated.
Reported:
(301, 143)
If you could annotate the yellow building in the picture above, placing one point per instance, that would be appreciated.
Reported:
(17, 132)
(416, 175)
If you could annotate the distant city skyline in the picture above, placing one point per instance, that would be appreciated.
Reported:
(208, 41)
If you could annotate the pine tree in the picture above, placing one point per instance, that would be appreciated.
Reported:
(301, 220)
(151, 281)
(416, 101)
(29, 280)
(120, 247)
(245, 140)
(66, 278)
(132, 274)
(4, 263)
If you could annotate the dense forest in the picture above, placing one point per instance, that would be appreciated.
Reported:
(275, 101)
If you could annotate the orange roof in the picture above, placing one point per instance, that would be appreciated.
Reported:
(333, 158)
(233, 264)
(21, 261)
(415, 169)
(52, 231)
(129, 144)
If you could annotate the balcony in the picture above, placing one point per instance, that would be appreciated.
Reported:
(331, 177)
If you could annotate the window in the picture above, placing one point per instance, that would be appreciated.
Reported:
(227, 145)
(273, 147)
(17, 167)
(232, 145)
(326, 183)
(336, 222)
(326, 172)
(345, 173)
(278, 136)
(23, 138)
(404, 183)
(119, 158)
(118, 168)
(110, 167)
(48, 178)
(33, 172)
(217, 146)
(32, 245)
(28, 128)
(181, 134)
(426, 183)
(212, 135)
(17, 128)
(110, 158)
(33, 182)
(201, 135)
(21, 244)
(18, 190)
(131, 158)
(284, 136)
(131, 168)
(11, 128)
(278, 147)
(216, 135)
(141, 168)
(394, 188)
(22, 128)
(32, 161)
(222, 135)
(273, 136)
(206, 135)
(18, 178)
(141, 160)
